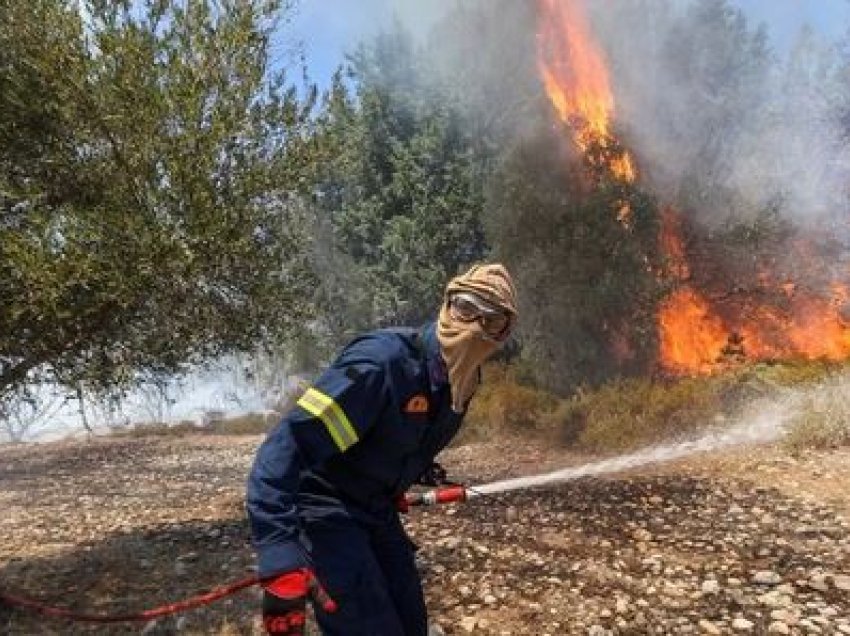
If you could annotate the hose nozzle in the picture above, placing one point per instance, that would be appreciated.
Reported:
(446, 494)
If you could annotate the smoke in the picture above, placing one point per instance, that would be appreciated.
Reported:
(723, 124)
(726, 118)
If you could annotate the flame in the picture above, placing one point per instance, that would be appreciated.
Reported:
(699, 336)
(575, 79)
(818, 329)
(692, 337)
(673, 245)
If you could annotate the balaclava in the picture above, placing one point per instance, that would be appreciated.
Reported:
(465, 345)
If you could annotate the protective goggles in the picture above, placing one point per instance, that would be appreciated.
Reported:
(495, 321)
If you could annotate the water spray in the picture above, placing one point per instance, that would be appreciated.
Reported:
(767, 426)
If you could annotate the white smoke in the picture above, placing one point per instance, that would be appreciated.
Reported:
(711, 108)
(723, 113)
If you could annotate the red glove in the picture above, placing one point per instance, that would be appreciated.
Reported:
(285, 601)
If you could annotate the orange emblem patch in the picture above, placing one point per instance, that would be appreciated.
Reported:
(416, 404)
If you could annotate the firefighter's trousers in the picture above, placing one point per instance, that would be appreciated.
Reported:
(370, 571)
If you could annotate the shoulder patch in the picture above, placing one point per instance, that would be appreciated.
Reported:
(417, 404)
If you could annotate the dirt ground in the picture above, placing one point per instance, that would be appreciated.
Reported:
(748, 541)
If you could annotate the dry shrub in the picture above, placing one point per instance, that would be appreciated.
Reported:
(155, 429)
(248, 424)
(796, 372)
(630, 413)
(822, 419)
(627, 414)
(503, 406)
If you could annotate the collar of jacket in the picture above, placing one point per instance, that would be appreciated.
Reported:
(437, 372)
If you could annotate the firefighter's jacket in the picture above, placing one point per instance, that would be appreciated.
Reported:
(357, 439)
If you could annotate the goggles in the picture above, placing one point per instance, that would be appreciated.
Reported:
(495, 321)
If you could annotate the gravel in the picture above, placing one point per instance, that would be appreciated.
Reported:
(124, 524)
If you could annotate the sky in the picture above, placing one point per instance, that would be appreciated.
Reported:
(327, 29)
(785, 17)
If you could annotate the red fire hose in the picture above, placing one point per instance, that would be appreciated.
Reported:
(445, 494)
(144, 615)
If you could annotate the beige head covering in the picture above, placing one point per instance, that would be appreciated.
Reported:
(464, 345)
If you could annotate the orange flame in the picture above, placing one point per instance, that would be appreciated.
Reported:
(698, 336)
(575, 78)
(692, 337)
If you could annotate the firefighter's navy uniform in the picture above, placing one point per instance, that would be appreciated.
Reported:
(324, 484)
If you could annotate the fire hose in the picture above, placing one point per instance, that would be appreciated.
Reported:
(145, 615)
(445, 494)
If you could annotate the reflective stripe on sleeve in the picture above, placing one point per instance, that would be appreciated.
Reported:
(326, 409)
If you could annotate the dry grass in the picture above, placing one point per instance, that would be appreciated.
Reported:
(621, 415)
(248, 424)
(504, 406)
(632, 413)
(155, 429)
(822, 419)
(627, 414)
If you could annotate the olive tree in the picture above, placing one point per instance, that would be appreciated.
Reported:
(149, 155)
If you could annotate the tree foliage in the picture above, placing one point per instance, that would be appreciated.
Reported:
(400, 195)
(583, 247)
(166, 196)
(147, 160)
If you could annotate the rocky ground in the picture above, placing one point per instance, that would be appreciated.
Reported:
(753, 542)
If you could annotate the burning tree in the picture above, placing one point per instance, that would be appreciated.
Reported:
(567, 213)
(586, 278)
(750, 289)
(591, 280)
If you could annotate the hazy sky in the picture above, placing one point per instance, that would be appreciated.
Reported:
(329, 28)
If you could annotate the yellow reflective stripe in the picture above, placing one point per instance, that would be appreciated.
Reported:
(326, 409)
(312, 403)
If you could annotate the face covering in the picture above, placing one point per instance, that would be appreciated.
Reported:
(465, 345)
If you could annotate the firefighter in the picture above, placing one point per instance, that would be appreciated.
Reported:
(323, 491)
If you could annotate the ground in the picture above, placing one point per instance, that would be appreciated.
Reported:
(753, 541)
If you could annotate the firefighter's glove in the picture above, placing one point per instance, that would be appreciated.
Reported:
(285, 601)
(434, 476)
